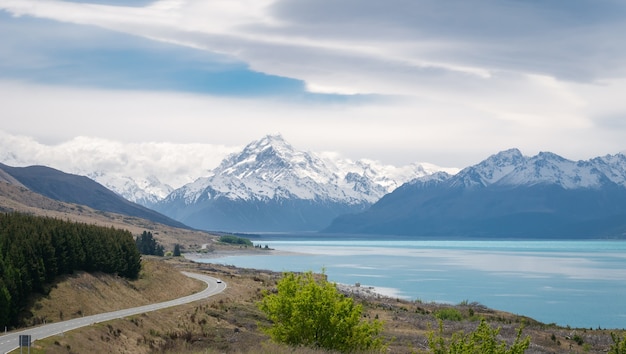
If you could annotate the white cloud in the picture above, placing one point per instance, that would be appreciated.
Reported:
(397, 132)
(174, 164)
(459, 81)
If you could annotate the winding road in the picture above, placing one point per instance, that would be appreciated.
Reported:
(9, 342)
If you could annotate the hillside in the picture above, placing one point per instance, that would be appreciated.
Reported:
(16, 198)
(69, 188)
(73, 295)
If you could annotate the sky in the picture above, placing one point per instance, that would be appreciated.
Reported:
(398, 81)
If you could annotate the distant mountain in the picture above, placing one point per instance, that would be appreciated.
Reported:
(506, 195)
(270, 186)
(146, 191)
(81, 190)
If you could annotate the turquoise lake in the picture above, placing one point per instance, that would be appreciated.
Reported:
(576, 283)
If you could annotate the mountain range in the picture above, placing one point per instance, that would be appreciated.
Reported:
(272, 187)
(506, 195)
(269, 186)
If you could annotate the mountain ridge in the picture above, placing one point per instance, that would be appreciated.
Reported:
(505, 195)
(69, 188)
(280, 189)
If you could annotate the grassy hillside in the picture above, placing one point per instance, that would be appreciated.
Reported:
(81, 190)
(84, 294)
(228, 322)
(14, 197)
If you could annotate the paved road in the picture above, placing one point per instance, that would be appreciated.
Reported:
(9, 341)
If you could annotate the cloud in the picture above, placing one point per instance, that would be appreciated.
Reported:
(174, 164)
(540, 37)
(481, 36)
(400, 81)
(399, 133)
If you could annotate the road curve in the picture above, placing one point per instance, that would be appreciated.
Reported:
(9, 342)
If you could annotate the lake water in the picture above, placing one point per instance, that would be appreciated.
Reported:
(576, 283)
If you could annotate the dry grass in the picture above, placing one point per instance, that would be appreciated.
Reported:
(84, 294)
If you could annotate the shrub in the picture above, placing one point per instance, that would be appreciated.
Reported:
(482, 340)
(449, 314)
(309, 312)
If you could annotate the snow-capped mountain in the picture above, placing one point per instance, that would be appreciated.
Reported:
(282, 189)
(141, 190)
(511, 168)
(490, 170)
(272, 169)
(506, 195)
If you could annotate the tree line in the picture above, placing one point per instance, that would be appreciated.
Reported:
(35, 250)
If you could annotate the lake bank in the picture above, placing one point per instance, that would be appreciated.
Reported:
(577, 283)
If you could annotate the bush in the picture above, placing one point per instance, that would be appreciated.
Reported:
(309, 312)
(482, 340)
(449, 314)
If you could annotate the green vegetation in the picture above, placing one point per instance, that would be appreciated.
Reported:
(35, 250)
(618, 346)
(578, 339)
(449, 314)
(235, 240)
(148, 245)
(312, 313)
(482, 340)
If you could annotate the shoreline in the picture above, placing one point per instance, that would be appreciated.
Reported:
(359, 290)
(355, 273)
(235, 252)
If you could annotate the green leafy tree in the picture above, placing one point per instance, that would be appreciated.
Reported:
(311, 312)
(480, 341)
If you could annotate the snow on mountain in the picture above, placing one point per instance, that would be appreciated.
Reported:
(511, 168)
(271, 168)
(490, 170)
(387, 176)
(146, 172)
(549, 168)
(269, 186)
(145, 191)
(613, 167)
(506, 195)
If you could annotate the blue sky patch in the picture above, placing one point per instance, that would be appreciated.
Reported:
(57, 53)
